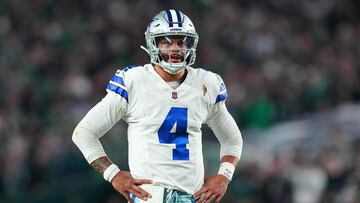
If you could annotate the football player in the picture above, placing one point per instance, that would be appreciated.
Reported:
(164, 103)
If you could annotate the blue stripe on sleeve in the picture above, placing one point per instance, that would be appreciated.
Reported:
(221, 97)
(123, 93)
(118, 79)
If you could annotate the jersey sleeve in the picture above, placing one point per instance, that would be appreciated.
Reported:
(101, 118)
(217, 93)
(117, 85)
(220, 121)
(226, 131)
(220, 90)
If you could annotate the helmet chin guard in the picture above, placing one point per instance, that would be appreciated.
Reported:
(172, 68)
(171, 23)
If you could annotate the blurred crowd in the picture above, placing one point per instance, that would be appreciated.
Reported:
(309, 160)
(280, 60)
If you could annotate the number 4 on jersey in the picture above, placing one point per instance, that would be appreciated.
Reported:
(176, 116)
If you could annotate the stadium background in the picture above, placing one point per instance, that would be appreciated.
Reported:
(291, 69)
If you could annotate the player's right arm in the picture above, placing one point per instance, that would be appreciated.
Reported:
(100, 119)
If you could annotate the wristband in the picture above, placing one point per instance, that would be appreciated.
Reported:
(110, 172)
(226, 169)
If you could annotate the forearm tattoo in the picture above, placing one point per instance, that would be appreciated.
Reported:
(101, 164)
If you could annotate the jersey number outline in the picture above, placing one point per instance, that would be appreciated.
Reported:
(177, 116)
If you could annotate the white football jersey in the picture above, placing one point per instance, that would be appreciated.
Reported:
(164, 131)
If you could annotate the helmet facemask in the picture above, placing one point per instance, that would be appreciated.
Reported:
(173, 58)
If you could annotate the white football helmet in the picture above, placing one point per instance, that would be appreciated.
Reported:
(167, 24)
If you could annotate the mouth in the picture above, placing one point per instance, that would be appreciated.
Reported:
(176, 58)
(173, 57)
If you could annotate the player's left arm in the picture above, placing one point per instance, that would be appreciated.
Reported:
(227, 132)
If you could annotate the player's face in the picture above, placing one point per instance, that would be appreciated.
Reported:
(173, 48)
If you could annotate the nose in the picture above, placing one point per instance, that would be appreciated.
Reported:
(174, 48)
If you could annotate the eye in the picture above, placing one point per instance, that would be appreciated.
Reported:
(180, 43)
(166, 43)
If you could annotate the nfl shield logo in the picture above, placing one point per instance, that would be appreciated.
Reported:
(174, 95)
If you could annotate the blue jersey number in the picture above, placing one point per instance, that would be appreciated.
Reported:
(176, 116)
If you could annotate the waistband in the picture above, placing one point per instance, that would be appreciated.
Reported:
(177, 196)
